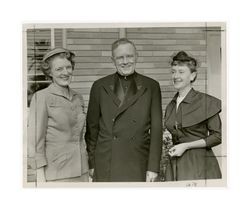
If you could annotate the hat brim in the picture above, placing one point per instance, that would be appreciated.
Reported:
(56, 51)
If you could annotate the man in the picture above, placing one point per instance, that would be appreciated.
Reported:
(124, 122)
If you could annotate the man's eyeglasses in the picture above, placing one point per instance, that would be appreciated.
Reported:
(125, 57)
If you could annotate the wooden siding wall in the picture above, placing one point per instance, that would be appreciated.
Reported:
(155, 46)
(58, 37)
(38, 42)
(93, 51)
(92, 47)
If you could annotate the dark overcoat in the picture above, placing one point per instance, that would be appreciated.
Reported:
(197, 118)
(124, 139)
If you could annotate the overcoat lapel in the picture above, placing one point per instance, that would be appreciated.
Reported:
(118, 90)
(136, 89)
(115, 91)
(130, 101)
(171, 107)
(132, 90)
(110, 89)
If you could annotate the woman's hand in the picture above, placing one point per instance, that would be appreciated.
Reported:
(178, 150)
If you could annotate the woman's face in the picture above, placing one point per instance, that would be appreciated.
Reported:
(182, 76)
(61, 71)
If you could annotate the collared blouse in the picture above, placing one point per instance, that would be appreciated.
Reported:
(55, 131)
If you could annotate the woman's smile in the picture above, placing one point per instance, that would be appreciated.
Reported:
(61, 71)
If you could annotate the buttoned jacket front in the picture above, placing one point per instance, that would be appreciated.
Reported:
(124, 139)
(55, 132)
(197, 117)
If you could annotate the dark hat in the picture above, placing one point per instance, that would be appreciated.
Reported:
(56, 51)
(184, 57)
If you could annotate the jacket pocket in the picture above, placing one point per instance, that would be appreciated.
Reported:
(56, 102)
(60, 160)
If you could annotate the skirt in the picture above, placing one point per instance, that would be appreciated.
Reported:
(194, 164)
(83, 178)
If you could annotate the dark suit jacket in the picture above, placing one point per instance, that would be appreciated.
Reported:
(124, 139)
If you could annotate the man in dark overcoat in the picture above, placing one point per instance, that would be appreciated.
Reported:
(124, 122)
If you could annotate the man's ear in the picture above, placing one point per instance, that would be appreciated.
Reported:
(136, 56)
(112, 59)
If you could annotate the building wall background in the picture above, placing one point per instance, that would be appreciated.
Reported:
(92, 47)
(155, 47)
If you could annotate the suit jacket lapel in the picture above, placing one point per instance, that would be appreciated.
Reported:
(118, 90)
(136, 89)
(132, 90)
(171, 109)
(110, 89)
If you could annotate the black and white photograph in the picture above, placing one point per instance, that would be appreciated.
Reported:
(125, 104)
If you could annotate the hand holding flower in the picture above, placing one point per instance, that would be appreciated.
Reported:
(178, 150)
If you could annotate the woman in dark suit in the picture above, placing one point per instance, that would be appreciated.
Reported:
(56, 122)
(193, 120)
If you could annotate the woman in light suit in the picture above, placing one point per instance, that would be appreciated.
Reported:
(56, 122)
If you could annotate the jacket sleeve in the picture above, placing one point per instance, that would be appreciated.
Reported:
(92, 124)
(37, 128)
(83, 118)
(214, 127)
(155, 130)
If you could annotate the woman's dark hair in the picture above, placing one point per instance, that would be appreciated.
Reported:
(57, 52)
(182, 58)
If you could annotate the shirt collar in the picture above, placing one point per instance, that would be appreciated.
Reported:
(188, 98)
(54, 89)
(126, 78)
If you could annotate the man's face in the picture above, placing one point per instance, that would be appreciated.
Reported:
(124, 58)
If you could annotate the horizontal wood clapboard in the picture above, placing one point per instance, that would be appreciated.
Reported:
(92, 46)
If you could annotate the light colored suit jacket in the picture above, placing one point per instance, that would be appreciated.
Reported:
(55, 133)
